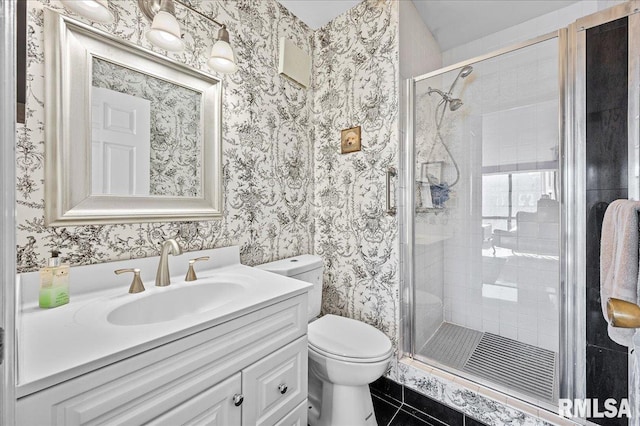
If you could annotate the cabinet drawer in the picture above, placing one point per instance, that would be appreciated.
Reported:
(213, 407)
(297, 417)
(275, 385)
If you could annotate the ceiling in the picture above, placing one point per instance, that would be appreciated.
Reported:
(456, 22)
(452, 22)
(318, 13)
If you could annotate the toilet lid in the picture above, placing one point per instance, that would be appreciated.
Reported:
(345, 337)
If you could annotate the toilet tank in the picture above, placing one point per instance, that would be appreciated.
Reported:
(306, 267)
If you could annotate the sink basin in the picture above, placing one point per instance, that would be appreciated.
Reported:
(173, 303)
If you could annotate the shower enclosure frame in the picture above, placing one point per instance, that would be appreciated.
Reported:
(578, 71)
(7, 209)
(572, 297)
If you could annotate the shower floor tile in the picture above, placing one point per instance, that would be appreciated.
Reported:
(452, 345)
(516, 365)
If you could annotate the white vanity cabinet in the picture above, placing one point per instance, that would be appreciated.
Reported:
(250, 370)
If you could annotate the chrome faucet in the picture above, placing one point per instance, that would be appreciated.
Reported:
(169, 246)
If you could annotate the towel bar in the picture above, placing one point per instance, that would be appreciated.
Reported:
(623, 314)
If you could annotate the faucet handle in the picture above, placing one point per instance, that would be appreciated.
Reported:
(136, 285)
(191, 273)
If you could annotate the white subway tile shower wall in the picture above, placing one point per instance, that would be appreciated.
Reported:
(509, 118)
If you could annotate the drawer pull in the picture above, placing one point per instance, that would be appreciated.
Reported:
(237, 399)
(282, 388)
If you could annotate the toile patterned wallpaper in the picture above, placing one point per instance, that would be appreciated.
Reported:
(356, 81)
(287, 188)
(175, 167)
(267, 144)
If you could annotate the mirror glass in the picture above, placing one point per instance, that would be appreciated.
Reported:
(146, 137)
(133, 136)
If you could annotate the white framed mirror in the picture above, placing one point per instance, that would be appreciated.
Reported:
(130, 135)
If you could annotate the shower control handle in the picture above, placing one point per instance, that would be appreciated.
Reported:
(391, 173)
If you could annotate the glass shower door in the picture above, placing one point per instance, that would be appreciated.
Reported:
(486, 221)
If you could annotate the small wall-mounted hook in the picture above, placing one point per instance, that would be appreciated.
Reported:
(137, 285)
(191, 273)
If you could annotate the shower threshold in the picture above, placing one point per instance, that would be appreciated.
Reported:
(507, 362)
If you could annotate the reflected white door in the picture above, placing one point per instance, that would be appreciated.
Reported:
(120, 154)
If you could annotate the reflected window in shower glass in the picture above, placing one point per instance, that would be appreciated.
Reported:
(504, 195)
(495, 200)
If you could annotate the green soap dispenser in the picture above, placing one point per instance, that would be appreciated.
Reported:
(54, 282)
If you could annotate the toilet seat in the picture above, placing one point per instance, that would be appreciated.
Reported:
(348, 340)
(350, 359)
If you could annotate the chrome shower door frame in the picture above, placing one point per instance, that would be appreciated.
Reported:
(568, 361)
(8, 357)
(577, 78)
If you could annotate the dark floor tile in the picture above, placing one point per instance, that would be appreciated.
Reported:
(422, 416)
(403, 418)
(433, 408)
(468, 421)
(384, 410)
(387, 389)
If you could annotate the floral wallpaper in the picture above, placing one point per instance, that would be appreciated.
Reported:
(287, 188)
(267, 144)
(175, 166)
(356, 81)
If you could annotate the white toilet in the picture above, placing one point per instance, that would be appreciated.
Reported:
(345, 355)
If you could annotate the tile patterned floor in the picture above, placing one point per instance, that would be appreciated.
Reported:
(396, 405)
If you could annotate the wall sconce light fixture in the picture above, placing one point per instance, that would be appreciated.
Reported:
(165, 28)
(222, 58)
(165, 33)
(95, 10)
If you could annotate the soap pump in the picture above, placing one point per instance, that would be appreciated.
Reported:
(54, 282)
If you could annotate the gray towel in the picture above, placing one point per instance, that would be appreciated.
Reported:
(619, 256)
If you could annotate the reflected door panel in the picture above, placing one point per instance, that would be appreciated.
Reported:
(120, 155)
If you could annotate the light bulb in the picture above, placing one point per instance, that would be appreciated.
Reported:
(222, 58)
(94, 10)
(165, 32)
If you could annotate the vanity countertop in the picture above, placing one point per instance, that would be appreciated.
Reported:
(58, 344)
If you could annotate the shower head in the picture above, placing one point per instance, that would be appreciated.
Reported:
(465, 71)
(454, 104)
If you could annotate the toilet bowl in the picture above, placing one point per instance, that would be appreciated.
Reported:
(345, 355)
